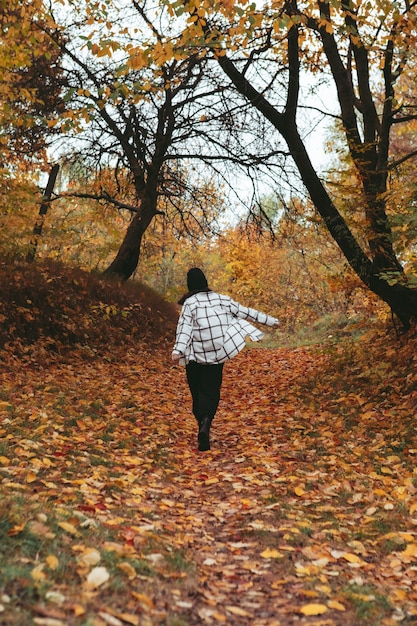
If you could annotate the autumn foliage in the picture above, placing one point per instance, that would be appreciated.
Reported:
(49, 308)
(303, 512)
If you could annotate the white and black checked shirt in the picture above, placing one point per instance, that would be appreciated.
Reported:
(212, 328)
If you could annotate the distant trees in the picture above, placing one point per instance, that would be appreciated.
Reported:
(156, 94)
(290, 266)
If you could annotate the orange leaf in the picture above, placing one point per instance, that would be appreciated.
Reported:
(411, 550)
(31, 477)
(236, 610)
(128, 570)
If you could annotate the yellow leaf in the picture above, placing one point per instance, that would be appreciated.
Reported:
(128, 570)
(16, 530)
(211, 481)
(334, 604)
(52, 561)
(37, 573)
(313, 609)
(78, 610)
(69, 528)
(411, 550)
(271, 553)
(219, 617)
(398, 595)
(168, 503)
(277, 584)
(4, 460)
(351, 558)
(129, 619)
(394, 459)
(299, 491)
(304, 570)
(116, 521)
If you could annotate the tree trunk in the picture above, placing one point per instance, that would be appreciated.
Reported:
(401, 299)
(370, 154)
(37, 230)
(127, 258)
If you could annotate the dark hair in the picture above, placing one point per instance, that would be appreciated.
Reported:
(196, 279)
(196, 282)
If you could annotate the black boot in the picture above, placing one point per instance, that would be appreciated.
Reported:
(204, 434)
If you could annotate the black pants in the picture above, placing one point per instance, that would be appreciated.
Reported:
(204, 382)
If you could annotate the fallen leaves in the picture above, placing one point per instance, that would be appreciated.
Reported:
(272, 554)
(96, 578)
(304, 508)
(313, 609)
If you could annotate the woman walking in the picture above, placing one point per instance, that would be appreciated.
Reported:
(211, 330)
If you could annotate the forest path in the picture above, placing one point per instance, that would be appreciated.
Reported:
(301, 513)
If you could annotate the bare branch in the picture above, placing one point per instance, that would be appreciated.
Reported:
(405, 158)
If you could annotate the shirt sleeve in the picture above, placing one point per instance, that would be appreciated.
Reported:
(253, 315)
(184, 331)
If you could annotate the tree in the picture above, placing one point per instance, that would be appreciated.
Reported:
(31, 83)
(139, 107)
(29, 97)
(366, 50)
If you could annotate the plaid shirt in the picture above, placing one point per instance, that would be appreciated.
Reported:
(211, 328)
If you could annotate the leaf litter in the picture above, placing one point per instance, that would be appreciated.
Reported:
(303, 512)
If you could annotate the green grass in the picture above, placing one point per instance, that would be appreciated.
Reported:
(370, 606)
(328, 330)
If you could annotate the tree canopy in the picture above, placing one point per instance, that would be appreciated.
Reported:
(365, 50)
(148, 89)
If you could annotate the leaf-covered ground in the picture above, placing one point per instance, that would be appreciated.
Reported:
(303, 512)
(110, 516)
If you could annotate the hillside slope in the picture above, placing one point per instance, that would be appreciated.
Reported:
(49, 308)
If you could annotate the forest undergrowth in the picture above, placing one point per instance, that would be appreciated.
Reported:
(303, 512)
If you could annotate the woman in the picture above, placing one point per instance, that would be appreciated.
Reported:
(211, 330)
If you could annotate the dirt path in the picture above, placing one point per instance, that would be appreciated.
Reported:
(302, 512)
